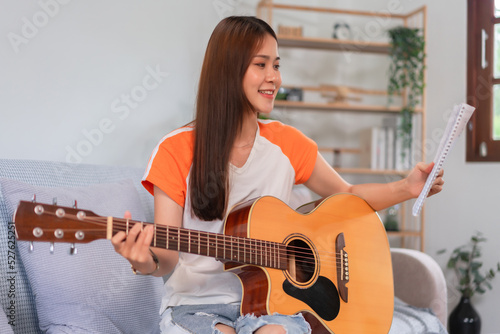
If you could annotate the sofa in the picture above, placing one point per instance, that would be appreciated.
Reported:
(88, 288)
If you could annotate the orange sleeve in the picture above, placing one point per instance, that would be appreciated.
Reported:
(169, 165)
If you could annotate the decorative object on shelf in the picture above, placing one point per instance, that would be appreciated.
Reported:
(338, 94)
(282, 93)
(294, 94)
(342, 31)
(406, 76)
(391, 220)
(464, 260)
(289, 31)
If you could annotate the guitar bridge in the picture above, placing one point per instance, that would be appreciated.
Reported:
(342, 267)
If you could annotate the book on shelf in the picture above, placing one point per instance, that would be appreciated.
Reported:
(382, 147)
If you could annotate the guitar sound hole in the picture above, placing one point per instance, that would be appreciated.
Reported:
(301, 261)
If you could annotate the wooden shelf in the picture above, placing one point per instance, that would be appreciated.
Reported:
(337, 107)
(333, 44)
(404, 233)
(343, 99)
(339, 150)
(369, 171)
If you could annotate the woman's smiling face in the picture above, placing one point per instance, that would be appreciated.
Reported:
(263, 78)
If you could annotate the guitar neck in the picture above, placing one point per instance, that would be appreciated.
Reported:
(223, 247)
(52, 223)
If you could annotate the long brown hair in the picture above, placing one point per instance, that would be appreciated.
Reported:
(220, 107)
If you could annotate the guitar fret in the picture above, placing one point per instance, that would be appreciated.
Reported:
(215, 245)
(154, 231)
(235, 249)
(261, 255)
(273, 262)
(241, 249)
(244, 253)
(259, 252)
(178, 239)
(225, 255)
(232, 243)
(270, 252)
(207, 240)
(264, 250)
(256, 252)
(238, 249)
(251, 251)
(275, 256)
(208, 244)
(167, 240)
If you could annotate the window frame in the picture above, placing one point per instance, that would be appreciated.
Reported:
(480, 143)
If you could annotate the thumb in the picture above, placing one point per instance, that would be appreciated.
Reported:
(127, 215)
(426, 168)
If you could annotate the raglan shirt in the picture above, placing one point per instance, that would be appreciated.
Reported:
(280, 157)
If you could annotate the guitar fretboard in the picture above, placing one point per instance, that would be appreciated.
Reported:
(224, 247)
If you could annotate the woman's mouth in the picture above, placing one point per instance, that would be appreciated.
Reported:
(267, 93)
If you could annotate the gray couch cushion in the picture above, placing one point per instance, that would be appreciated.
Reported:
(95, 290)
(5, 327)
(51, 174)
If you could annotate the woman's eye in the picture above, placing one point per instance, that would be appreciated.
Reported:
(277, 67)
(261, 64)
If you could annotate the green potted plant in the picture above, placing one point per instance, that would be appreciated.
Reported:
(471, 279)
(406, 76)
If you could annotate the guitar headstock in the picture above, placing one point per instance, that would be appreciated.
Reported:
(45, 222)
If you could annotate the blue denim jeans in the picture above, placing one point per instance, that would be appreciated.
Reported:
(201, 319)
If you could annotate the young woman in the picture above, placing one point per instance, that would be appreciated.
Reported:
(226, 156)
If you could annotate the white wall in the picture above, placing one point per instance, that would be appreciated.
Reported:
(470, 201)
(76, 77)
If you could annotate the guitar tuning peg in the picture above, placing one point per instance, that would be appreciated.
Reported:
(51, 248)
(54, 201)
(33, 199)
(73, 250)
(75, 204)
(32, 247)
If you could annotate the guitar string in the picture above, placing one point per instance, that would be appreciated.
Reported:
(282, 254)
(258, 259)
(272, 259)
(240, 242)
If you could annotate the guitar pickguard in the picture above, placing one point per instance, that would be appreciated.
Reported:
(322, 297)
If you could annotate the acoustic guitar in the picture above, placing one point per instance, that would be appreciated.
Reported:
(329, 260)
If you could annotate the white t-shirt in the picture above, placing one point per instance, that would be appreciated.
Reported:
(281, 157)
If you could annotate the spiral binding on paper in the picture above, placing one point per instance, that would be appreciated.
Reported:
(456, 123)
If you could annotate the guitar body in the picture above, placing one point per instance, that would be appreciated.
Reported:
(363, 303)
